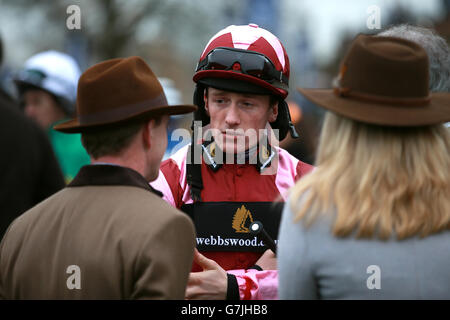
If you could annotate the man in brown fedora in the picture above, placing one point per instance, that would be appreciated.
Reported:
(108, 235)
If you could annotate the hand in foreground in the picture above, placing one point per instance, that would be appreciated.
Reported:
(209, 284)
(268, 261)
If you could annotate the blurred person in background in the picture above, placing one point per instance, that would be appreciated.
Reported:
(108, 234)
(437, 49)
(180, 121)
(373, 220)
(241, 85)
(29, 170)
(47, 89)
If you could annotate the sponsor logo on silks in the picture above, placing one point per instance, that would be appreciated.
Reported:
(228, 228)
(241, 218)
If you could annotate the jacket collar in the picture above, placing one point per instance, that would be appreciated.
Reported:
(110, 175)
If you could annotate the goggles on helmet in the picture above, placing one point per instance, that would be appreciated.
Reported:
(248, 62)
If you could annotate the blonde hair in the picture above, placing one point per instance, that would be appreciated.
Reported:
(379, 180)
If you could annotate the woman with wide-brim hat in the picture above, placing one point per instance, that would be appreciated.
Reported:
(373, 220)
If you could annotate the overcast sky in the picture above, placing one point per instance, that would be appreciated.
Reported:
(326, 19)
(323, 20)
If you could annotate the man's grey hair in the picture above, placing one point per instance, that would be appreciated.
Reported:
(436, 47)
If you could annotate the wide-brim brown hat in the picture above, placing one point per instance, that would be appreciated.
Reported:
(117, 91)
(384, 81)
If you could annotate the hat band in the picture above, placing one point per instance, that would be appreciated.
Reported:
(122, 112)
(347, 92)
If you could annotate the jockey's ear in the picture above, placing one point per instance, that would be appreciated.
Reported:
(205, 100)
(273, 110)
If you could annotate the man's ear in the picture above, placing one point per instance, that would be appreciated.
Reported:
(146, 133)
(273, 110)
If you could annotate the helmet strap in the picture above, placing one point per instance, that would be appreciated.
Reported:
(292, 129)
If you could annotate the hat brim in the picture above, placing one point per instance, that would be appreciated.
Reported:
(74, 126)
(436, 111)
(235, 85)
(222, 74)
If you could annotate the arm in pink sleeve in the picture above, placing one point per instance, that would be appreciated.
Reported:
(168, 182)
(256, 285)
(162, 185)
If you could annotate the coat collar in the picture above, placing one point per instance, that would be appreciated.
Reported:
(110, 175)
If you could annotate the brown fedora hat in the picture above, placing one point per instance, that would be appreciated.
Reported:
(384, 81)
(119, 90)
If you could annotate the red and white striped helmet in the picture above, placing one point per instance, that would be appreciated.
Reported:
(247, 53)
